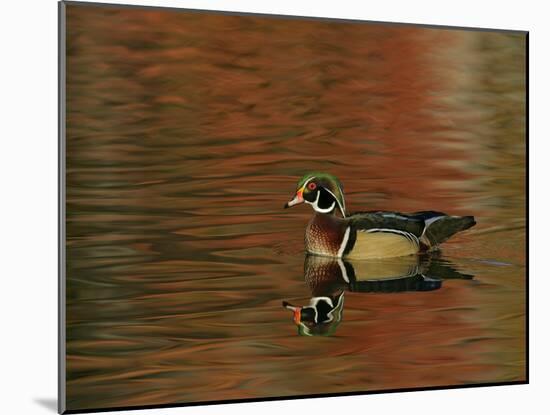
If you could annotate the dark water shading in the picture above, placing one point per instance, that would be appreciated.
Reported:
(186, 134)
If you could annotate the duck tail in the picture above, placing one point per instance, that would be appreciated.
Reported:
(442, 228)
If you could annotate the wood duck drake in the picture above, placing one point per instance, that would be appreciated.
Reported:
(373, 234)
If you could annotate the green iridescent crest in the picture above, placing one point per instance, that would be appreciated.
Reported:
(321, 176)
(329, 182)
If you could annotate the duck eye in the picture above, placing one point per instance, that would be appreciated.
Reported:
(312, 186)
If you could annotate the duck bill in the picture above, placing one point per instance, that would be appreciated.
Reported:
(297, 311)
(298, 199)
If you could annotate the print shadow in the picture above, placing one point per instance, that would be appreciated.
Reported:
(48, 403)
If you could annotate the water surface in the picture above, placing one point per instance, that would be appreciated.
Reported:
(186, 134)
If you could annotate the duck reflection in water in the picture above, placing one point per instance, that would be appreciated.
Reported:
(329, 278)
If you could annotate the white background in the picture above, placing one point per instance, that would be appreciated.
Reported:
(28, 205)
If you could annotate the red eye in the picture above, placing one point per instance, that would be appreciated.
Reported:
(312, 186)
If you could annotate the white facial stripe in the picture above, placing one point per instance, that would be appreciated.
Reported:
(316, 314)
(342, 209)
(327, 210)
(315, 300)
(316, 205)
(338, 307)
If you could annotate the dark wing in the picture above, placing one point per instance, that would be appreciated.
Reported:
(431, 227)
(444, 227)
(392, 221)
(425, 215)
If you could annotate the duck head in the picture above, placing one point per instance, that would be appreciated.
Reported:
(322, 191)
(320, 317)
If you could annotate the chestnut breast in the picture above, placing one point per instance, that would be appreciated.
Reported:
(324, 234)
(323, 275)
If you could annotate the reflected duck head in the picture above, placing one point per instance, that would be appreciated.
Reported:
(322, 191)
(320, 317)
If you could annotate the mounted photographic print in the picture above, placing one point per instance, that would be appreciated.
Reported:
(258, 207)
